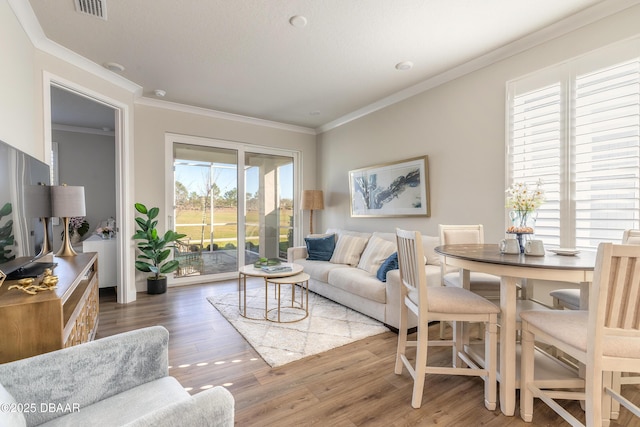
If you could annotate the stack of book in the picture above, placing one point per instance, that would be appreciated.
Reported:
(276, 268)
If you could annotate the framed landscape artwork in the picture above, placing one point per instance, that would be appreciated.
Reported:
(392, 189)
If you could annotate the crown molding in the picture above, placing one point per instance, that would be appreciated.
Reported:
(184, 108)
(557, 29)
(27, 18)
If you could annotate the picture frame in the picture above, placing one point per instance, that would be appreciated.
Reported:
(396, 189)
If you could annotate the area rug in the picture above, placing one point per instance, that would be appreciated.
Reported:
(329, 325)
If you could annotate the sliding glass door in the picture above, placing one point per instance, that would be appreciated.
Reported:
(234, 203)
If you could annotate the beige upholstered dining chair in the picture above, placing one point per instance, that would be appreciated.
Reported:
(570, 298)
(452, 304)
(606, 338)
(483, 284)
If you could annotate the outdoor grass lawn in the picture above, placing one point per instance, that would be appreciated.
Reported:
(225, 225)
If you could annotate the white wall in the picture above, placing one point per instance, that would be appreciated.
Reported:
(17, 91)
(460, 125)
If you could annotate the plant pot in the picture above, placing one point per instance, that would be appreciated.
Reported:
(156, 286)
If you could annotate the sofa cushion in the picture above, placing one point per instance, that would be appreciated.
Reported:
(358, 282)
(348, 250)
(429, 244)
(10, 415)
(340, 232)
(391, 263)
(320, 248)
(127, 406)
(319, 270)
(375, 253)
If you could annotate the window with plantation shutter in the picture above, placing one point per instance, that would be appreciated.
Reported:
(576, 127)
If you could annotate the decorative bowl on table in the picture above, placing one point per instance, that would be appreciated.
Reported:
(266, 262)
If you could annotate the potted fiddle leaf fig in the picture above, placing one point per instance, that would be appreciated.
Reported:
(154, 249)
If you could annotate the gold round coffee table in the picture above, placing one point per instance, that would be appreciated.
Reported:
(296, 308)
(251, 271)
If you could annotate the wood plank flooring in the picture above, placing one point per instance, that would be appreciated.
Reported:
(353, 385)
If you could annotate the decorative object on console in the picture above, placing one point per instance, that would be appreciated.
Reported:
(391, 190)
(67, 202)
(78, 227)
(105, 232)
(154, 249)
(312, 200)
(28, 285)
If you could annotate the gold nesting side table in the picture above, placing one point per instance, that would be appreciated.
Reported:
(301, 307)
(251, 271)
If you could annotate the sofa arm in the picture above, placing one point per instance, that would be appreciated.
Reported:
(296, 252)
(213, 407)
(87, 373)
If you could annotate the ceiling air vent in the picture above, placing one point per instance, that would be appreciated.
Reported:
(97, 8)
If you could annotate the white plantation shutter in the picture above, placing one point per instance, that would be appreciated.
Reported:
(535, 152)
(577, 128)
(607, 171)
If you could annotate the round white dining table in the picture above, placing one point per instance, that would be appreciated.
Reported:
(487, 258)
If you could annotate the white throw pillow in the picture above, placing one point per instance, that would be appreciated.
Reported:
(348, 250)
(376, 252)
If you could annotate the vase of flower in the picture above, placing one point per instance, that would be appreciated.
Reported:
(523, 203)
(524, 221)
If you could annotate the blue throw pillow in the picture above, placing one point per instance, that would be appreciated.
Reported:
(320, 248)
(389, 264)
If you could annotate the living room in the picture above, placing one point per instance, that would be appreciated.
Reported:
(458, 120)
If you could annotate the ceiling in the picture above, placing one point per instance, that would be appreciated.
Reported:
(248, 57)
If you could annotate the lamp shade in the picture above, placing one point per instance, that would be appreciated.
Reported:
(38, 201)
(67, 201)
(312, 200)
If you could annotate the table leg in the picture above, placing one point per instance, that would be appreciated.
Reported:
(242, 292)
(508, 345)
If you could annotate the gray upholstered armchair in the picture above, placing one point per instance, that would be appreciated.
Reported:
(114, 381)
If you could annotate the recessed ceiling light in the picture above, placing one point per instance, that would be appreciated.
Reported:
(405, 65)
(298, 21)
(160, 93)
(114, 66)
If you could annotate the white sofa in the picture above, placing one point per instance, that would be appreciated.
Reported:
(114, 381)
(359, 289)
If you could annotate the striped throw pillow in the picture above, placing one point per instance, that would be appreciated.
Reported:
(376, 252)
(348, 250)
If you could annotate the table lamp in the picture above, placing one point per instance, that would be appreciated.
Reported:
(312, 200)
(66, 202)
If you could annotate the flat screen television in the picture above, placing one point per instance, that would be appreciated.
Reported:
(24, 203)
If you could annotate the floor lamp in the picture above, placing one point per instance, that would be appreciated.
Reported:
(312, 200)
(67, 202)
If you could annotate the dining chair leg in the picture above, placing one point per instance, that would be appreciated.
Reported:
(458, 344)
(607, 382)
(593, 397)
(420, 365)
(526, 376)
(402, 340)
(616, 385)
(491, 350)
